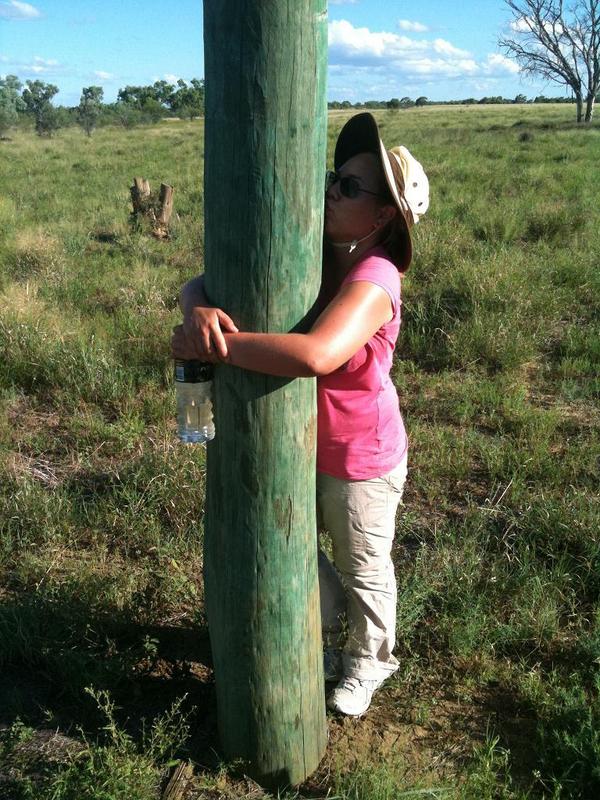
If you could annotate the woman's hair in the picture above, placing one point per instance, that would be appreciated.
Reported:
(394, 235)
(393, 241)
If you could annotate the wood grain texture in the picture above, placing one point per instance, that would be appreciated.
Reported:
(265, 149)
(179, 782)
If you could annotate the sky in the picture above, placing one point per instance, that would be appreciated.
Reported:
(378, 49)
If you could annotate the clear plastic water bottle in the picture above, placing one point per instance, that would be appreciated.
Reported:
(193, 387)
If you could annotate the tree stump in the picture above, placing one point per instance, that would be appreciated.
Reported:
(147, 207)
(179, 782)
(165, 201)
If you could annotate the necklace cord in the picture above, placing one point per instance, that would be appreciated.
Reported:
(352, 244)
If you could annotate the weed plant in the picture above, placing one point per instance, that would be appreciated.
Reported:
(498, 545)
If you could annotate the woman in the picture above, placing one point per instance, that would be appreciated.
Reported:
(372, 200)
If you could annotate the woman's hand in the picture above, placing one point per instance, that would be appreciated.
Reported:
(185, 348)
(203, 327)
(201, 335)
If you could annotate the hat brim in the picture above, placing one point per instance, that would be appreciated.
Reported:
(361, 135)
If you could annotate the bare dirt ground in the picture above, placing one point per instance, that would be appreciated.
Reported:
(430, 730)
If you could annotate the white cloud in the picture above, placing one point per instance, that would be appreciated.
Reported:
(46, 62)
(169, 77)
(527, 24)
(407, 57)
(104, 76)
(40, 66)
(382, 63)
(14, 9)
(519, 25)
(348, 43)
(407, 25)
(497, 63)
(361, 47)
(443, 47)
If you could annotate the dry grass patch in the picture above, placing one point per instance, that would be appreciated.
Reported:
(7, 212)
(21, 305)
(35, 252)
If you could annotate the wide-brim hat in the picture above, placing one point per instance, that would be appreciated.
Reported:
(404, 175)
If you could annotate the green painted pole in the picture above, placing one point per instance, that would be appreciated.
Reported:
(265, 150)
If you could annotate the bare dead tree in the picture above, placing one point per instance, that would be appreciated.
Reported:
(561, 43)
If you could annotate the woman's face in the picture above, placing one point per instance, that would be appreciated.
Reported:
(349, 218)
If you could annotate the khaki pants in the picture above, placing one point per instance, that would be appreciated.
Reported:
(358, 595)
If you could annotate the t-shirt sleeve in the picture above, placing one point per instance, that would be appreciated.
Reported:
(382, 273)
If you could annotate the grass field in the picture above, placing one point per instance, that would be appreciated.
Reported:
(105, 667)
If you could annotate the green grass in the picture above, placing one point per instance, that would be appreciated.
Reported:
(498, 546)
(113, 768)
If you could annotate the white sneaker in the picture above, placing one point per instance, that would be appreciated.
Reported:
(352, 696)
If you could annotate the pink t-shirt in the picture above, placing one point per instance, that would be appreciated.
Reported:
(360, 433)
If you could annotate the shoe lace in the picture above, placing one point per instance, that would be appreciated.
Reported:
(353, 683)
(350, 683)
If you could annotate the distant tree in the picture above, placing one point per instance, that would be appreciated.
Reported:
(138, 104)
(90, 108)
(421, 101)
(127, 114)
(64, 117)
(152, 110)
(540, 98)
(393, 104)
(37, 98)
(10, 102)
(136, 96)
(163, 92)
(406, 102)
(188, 99)
(520, 98)
(562, 44)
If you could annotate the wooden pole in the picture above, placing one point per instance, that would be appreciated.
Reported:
(265, 149)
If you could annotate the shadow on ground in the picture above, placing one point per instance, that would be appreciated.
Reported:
(57, 650)
(51, 652)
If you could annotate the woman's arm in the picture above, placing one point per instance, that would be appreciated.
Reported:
(354, 315)
(192, 294)
(203, 324)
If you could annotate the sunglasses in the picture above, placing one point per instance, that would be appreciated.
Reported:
(349, 186)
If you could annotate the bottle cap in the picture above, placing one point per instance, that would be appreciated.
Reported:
(193, 371)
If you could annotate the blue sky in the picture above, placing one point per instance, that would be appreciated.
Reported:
(378, 49)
